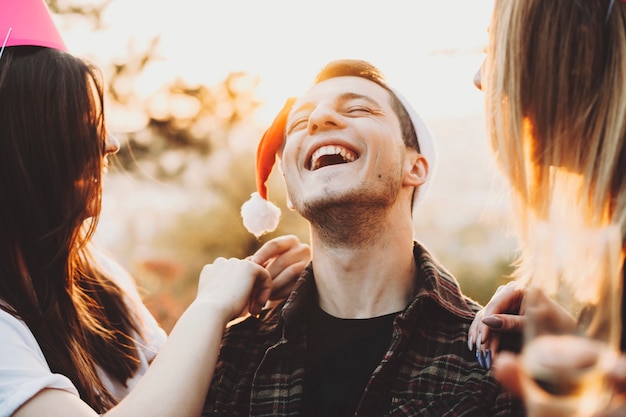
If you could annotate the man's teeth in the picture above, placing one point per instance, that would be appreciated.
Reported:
(345, 154)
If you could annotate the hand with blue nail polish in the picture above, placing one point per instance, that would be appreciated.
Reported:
(479, 357)
(502, 314)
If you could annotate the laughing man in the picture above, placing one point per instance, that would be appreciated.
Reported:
(375, 325)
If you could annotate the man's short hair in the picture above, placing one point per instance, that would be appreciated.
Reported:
(363, 69)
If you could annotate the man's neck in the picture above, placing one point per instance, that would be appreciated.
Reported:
(367, 280)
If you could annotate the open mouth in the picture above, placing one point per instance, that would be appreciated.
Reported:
(331, 155)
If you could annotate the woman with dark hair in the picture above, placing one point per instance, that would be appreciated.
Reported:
(76, 338)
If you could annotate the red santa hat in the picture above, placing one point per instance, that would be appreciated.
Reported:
(28, 22)
(261, 216)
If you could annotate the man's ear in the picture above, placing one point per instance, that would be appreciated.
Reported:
(416, 169)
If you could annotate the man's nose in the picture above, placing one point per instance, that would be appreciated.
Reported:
(322, 118)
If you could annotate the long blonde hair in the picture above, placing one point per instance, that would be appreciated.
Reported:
(555, 79)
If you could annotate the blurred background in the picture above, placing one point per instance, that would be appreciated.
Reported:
(191, 85)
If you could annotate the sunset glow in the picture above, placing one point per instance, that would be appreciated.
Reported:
(429, 50)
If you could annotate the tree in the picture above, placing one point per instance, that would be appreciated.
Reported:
(173, 194)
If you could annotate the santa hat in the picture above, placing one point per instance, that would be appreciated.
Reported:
(426, 144)
(261, 216)
(28, 22)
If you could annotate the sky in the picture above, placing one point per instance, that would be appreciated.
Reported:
(428, 49)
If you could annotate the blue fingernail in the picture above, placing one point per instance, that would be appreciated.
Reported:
(479, 356)
(488, 358)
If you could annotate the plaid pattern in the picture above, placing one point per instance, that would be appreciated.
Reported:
(427, 370)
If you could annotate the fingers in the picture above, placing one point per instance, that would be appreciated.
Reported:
(284, 258)
(271, 272)
(478, 338)
(278, 246)
(283, 283)
(504, 323)
(540, 308)
(507, 369)
(260, 294)
(487, 343)
(617, 375)
(484, 332)
(477, 331)
(508, 298)
(486, 350)
(229, 285)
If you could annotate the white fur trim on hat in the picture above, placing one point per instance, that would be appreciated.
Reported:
(259, 216)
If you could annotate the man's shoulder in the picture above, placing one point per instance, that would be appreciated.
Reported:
(440, 285)
(266, 325)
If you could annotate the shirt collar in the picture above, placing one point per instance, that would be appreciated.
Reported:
(435, 283)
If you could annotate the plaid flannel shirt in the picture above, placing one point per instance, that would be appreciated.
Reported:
(427, 370)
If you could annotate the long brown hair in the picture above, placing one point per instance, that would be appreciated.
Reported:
(52, 141)
(555, 79)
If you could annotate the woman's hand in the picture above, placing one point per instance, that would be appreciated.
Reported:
(501, 314)
(231, 285)
(617, 377)
(507, 369)
(508, 311)
(284, 258)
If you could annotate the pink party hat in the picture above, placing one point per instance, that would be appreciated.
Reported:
(28, 22)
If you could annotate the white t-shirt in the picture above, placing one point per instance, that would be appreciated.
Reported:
(24, 370)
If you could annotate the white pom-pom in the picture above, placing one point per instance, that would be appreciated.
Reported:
(259, 215)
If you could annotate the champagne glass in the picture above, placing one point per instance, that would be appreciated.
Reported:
(572, 312)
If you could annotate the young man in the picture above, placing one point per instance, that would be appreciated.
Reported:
(375, 326)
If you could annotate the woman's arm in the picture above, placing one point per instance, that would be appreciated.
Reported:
(178, 379)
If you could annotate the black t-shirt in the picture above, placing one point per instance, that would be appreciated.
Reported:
(341, 356)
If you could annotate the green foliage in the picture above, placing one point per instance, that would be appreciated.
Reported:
(91, 12)
(480, 281)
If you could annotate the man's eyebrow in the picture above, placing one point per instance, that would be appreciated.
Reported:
(356, 96)
(347, 96)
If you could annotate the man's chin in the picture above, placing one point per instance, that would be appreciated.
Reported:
(340, 209)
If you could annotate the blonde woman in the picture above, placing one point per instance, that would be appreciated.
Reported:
(555, 86)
